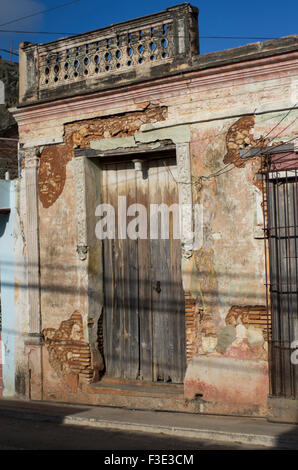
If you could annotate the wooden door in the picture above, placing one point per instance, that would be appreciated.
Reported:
(144, 327)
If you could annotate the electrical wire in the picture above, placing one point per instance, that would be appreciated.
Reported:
(278, 124)
(108, 48)
(9, 52)
(172, 35)
(36, 32)
(219, 172)
(130, 44)
(39, 13)
(226, 169)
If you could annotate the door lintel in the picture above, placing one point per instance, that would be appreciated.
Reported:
(164, 148)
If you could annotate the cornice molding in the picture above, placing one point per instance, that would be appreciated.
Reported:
(199, 80)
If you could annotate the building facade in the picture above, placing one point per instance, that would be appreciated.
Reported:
(8, 171)
(116, 126)
(9, 77)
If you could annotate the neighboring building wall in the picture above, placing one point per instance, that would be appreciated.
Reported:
(209, 116)
(8, 127)
(11, 259)
(14, 314)
(11, 264)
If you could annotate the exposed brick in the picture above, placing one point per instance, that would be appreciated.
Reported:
(69, 354)
(251, 315)
(54, 158)
(240, 136)
(191, 325)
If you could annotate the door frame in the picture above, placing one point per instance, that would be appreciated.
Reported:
(86, 178)
(185, 199)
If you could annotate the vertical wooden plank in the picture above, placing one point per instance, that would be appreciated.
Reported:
(168, 312)
(144, 305)
(109, 279)
(155, 258)
(115, 333)
(163, 275)
(130, 262)
(120, 260)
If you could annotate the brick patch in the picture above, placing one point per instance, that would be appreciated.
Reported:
(69, 354)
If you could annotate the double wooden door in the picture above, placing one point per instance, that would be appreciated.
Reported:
(143, 318)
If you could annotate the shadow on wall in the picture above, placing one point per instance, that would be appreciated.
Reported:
(4, 218)
(164, 303)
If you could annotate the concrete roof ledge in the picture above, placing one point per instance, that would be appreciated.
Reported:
(251, 51)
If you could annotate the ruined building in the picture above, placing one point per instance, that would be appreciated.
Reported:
(133, 114)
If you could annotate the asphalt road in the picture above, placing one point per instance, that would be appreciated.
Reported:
(18, 434)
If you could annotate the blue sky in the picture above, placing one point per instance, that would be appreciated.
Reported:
(253, 18)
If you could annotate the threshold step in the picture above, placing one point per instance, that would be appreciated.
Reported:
(136, 389)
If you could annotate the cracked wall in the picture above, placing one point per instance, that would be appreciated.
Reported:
(69, 354)
(224, 278)
(62, 272)
(54, 158)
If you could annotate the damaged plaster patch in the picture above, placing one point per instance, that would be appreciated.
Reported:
(114, 143)
(204, 286)
(52, 173)
(54, 158)
(240, 136)
(69, 354)
(178, 135)
(249, 316)
(245, 334)
(121, 125)
(204, 291)
(226, 338)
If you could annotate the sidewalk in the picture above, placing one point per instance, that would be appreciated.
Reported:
(255, 431)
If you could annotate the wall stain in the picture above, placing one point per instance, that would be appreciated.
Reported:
(54, 158)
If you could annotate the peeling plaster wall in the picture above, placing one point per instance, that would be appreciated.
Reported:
(227, 275)
(13, 294)
(20, 290)
(69, 284)
(224, 274)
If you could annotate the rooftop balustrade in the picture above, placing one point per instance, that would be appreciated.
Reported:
(141, 49)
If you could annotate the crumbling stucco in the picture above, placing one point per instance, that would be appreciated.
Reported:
(54, 158)
(69, 353)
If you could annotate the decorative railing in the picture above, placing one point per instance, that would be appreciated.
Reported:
(110, 54)
(89, 61)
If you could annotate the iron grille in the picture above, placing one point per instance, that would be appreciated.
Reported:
(280, 190)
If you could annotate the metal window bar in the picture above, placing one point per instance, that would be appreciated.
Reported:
(280, 191)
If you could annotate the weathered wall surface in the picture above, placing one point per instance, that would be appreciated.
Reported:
(8, 126)
(20, 289)
(225, 276)
(64, 300)
(14, 311)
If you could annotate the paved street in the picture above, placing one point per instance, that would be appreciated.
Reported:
(18, 434)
